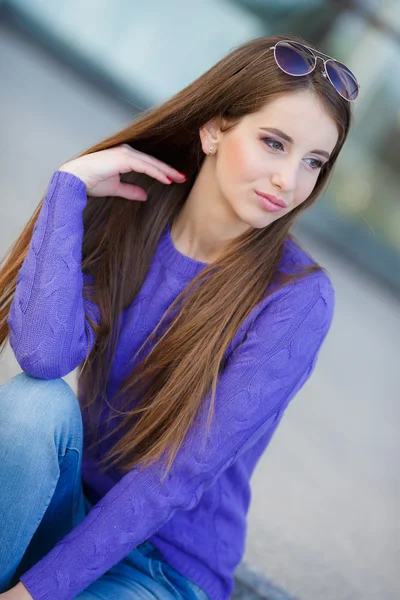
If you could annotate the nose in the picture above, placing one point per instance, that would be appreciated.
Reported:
(284, 178)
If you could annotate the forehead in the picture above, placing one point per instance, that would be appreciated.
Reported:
(302, 116)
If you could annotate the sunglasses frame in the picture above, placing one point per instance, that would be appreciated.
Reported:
(315, 56)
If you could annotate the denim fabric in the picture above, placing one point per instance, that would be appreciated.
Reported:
(42, 499)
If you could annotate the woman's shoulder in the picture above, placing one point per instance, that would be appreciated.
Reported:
(310, 298)
(294, 253)
(295, 258)
(311, 293)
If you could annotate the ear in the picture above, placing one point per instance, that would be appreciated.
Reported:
(210, 134)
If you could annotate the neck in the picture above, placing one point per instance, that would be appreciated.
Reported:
(206, 223)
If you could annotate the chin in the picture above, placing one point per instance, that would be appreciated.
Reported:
(260, 221)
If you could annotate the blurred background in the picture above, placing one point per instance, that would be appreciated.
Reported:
(324, 517)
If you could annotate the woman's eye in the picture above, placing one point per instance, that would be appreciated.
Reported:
(277, 145)
(317, 163)
(270, 142)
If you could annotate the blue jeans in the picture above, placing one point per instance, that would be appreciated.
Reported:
(42, 499)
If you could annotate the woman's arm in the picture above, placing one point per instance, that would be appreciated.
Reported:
(262, 375)
(47, 317)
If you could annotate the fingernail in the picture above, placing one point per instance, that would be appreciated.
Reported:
(169, 179)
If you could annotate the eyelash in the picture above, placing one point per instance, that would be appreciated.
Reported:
(266, 139)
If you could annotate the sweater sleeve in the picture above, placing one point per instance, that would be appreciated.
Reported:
(49, 334)
(263, 373)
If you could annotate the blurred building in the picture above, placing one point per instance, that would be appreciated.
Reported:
(146, 51)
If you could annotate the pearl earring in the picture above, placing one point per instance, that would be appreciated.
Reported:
(210, 150)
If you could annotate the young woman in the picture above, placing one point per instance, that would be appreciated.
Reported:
(160, 263)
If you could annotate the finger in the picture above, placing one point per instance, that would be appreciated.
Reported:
(131, 192)
(132, 163)
(164, 167)
(141, 166)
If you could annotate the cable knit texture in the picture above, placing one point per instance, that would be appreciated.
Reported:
(197, 517)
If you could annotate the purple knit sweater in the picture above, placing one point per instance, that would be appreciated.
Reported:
(197, 518)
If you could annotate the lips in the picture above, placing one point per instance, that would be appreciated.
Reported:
(272, 199)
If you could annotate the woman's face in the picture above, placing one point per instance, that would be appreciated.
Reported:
(256, 155)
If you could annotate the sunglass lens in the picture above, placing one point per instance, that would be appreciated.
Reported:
(342, 79)
(293, 58)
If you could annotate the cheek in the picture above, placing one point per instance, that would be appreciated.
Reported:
(305, 187)
(238, 161)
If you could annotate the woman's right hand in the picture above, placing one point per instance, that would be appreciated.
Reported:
(100, 171)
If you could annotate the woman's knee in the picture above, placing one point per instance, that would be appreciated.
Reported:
(37, 405)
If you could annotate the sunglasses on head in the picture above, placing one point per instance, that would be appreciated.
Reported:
(296, 59)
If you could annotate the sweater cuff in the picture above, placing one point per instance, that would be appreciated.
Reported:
(64, 178)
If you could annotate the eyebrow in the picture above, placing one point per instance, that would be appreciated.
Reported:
(287, 137)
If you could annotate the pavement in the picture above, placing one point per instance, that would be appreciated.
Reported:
(324, 521)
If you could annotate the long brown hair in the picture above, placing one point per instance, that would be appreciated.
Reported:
(120, 237)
